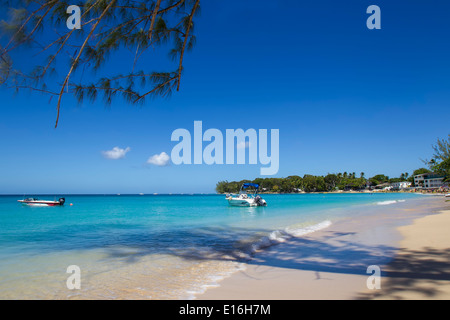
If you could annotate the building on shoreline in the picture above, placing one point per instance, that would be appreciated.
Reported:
(401, 185)
(428, 180)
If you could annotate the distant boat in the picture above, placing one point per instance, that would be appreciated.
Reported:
(42, 203)
(243, 199)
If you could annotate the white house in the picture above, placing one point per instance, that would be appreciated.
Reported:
(401, 185)
(428, 180)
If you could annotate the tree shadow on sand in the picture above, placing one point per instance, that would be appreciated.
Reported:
(414, 274)
(334, 252)
(338, 252)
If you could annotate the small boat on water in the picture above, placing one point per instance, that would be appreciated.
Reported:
(243, 199)
(42, 203)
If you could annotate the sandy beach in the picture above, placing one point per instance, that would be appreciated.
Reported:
(410, 244)
(421, 269)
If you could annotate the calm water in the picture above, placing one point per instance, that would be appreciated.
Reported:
(151, 246)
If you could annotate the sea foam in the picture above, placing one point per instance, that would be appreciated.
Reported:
(384, 203)
(279, 236)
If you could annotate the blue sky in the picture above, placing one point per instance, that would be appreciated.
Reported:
(345, 98)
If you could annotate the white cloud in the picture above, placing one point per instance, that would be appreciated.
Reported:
(116, 153)
(243, 145)
(160, 160)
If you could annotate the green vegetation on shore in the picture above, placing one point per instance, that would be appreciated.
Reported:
(311, 183)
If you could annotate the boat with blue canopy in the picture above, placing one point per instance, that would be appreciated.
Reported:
(246, 198)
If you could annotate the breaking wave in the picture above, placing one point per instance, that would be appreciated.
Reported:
(279, 236)
(388, 202)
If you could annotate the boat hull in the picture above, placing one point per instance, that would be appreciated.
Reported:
(240, 202)
(42, 203)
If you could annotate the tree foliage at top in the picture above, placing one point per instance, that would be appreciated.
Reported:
(440, 163)
(64, 56)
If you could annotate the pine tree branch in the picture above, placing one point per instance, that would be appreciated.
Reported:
(152, 23)
(159, 87)
(78, 57)
(180, 68)
(171, 7)
(111, 26)
(23, 27)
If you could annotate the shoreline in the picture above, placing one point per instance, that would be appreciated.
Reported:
(330, 263)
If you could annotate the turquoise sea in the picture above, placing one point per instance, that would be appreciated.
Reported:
(153, 246)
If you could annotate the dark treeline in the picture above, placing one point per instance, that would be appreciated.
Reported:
(311, 183)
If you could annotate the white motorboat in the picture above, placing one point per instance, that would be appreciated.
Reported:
(42, 203)
(243, 199)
